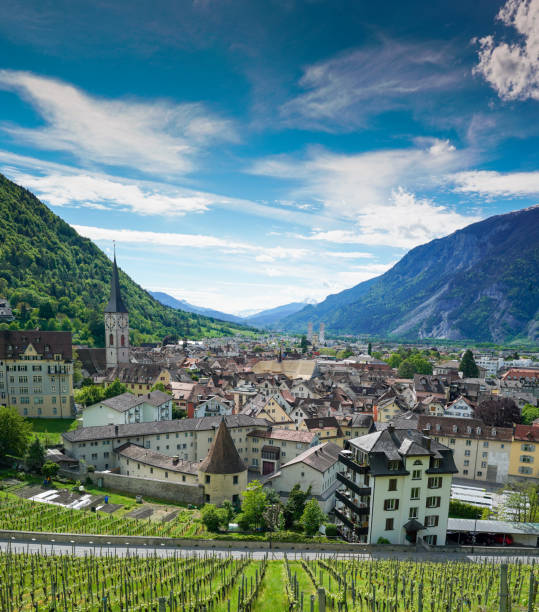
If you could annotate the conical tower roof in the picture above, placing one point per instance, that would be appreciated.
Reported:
(223, 458)
(115, 301)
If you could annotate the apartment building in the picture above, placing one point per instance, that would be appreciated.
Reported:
(36, 373)
(128, 408)
(396, 488)
(524, 459)
(189, 439)
(480, 452)
(270, 447)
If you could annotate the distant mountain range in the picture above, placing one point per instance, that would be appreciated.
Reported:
(479, 283)
(263, 319)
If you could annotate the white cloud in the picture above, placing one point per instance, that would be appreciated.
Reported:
(345, 89)
(157, 136)
(513, 69)
(348, 254)
(490, 183)
(375, 191)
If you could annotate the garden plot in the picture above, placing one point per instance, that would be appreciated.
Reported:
(65, 498)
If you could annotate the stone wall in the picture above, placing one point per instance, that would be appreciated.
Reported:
(147, 487)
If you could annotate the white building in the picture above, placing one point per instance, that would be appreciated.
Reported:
(213, 406)
(460, 408)
(317, 468)
(397, 486)
(128, 408)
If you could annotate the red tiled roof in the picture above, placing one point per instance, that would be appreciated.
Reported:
(527, 432)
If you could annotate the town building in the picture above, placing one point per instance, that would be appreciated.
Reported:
(524, 459)
(6, 314)
(214, 406)
(36, 373)
(128, 408)
(460, 408)
(396, 487)
(269, 448)
(316, 468)
(480, 452)
(137, 461)
(223, 472)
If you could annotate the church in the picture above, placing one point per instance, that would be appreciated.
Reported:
(116, 324)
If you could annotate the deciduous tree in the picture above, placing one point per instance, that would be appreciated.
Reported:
(502, 412)
(14, 433)
(35, 457)
(312, 517)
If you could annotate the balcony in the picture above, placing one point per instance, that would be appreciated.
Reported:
(352, 465)
(356, 508)
(357, 529)
(352, 485)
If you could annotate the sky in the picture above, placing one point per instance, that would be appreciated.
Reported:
(244, 154)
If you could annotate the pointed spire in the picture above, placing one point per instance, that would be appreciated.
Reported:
(223, 457)
(115, 301)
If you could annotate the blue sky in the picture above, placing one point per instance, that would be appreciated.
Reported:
(246, 154)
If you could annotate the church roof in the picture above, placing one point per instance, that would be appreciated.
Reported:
(115, 301)
(223, 457)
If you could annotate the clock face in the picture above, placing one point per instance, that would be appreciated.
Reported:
(109, 323)
(123, 321)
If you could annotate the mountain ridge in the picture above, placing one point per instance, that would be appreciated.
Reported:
(480, 283)
(57, 279)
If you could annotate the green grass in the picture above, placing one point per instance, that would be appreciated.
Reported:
(272, 595)
(50, 431)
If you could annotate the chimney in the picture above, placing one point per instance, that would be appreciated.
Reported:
(116, 430)
(175, 459)
(426, 440)
(390, 427)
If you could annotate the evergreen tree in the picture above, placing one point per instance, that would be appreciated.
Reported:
(467, 366)
(295, 505)
(35, 458)
(369, 348)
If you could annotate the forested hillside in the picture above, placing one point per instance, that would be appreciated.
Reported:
(57, 280)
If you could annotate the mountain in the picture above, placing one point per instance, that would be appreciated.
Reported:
(168, 300)
(479, 283)
(273, 316)
(56, 279)
(264, 318)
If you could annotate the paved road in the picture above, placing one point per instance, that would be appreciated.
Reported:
(162, 551)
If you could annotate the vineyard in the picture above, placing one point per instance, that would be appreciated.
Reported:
(206, 583)
(24, 515)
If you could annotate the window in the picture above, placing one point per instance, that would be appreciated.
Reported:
(466, 462)
(431, 520)
(524, 469)
(485, 444)
(527, 447)
(414, 493)
(431, 539)
(484, 455)
(433, 502)
(413, 512)
(464, 472)
(526, 459)
(207, 480)
(468, 442)
(467, 453)
(393, 466)
(435, 482)
(436, 463)
(392, 484)
(235, 480)
(391, 504)
(166, 474)
(416, 475)
(483, 464)
(111, 340)
(480, 473)
(389, 524)
(452, 441)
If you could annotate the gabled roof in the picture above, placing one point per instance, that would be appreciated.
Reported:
(320, 457)
(115, 301)
(155, 459)
(223, 457)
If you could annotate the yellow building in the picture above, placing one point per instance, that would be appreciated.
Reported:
(387, 410)
(269, 408)
(138, 378)
(222, 472)
(36, 373)
(524, 459)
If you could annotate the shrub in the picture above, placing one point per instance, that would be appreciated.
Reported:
(459, 509)
(382, 540)
(210, 517)
(331, 530)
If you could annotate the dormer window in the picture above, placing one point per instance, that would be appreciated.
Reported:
(468, 430)
(493, 432)
(393, 466)
(478, 431)
(427, 426)
(455, 428)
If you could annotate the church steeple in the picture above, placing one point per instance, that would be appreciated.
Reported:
(115, 301)
(116, 323)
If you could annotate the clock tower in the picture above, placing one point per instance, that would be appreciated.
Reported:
(116, 324)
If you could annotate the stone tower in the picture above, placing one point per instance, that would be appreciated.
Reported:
(310, 331)
(322, 334)
(116, 324)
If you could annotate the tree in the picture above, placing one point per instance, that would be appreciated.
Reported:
(114, 389)
(228, 507)
(303, 344)
(521, 504)
(14, 433)
(50, 469)
(210, 517)
(272, 516)
(529, 413)
(159, 386)
(500, 412)
(35, 457)
(89, 395)
(369, 348)
(406, 369)
(467, 365)
(414, 364)
(394, 360)
(295, 505)
(253, 504)
(312, 517)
